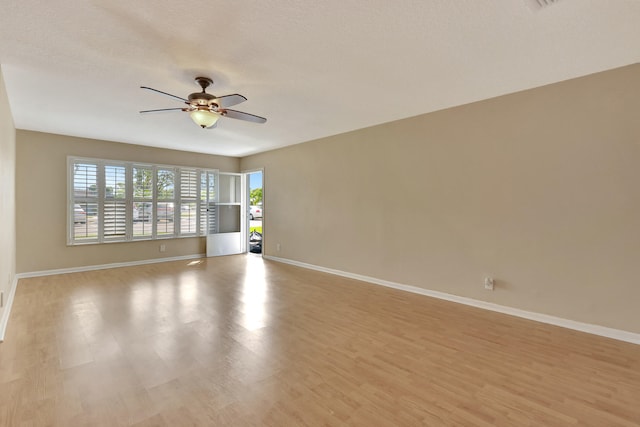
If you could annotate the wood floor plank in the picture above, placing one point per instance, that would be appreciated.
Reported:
(239, 341)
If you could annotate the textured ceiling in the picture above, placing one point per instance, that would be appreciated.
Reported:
(314, 69)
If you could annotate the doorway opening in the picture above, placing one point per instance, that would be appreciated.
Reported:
(255, 213)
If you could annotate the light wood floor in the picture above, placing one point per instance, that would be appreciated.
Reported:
(238, 341)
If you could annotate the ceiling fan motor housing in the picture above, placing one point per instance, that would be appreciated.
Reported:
(201, 99)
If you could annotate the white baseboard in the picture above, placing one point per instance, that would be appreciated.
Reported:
(105, 266)
(7, 308)
(539, 317)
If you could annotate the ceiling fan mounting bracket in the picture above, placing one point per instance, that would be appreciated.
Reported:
(204, 82)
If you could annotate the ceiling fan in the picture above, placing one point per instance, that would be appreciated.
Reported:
(205, 109)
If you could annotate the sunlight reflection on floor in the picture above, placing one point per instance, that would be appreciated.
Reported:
(254, 295)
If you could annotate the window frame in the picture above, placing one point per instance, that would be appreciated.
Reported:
(130, 199)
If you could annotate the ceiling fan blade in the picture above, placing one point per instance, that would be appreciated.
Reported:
(230, 100)
(243, 116)
(164, 93)
(162, 109)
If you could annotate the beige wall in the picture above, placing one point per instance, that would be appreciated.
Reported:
(539, 189)
(7, 195)
(41, 195)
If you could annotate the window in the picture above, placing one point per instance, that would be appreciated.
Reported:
(112, 201)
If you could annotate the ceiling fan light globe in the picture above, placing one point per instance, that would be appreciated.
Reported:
(204, 118)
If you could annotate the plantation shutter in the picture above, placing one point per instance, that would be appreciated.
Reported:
(165, 202)
(142, 206)
(115, 202)
(83, 208)
(208, 212)
(188, 202)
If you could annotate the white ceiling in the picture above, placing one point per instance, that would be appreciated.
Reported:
(313, 68)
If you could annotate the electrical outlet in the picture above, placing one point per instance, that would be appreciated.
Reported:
(488, 283)
(163, 247)
(278, 247)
